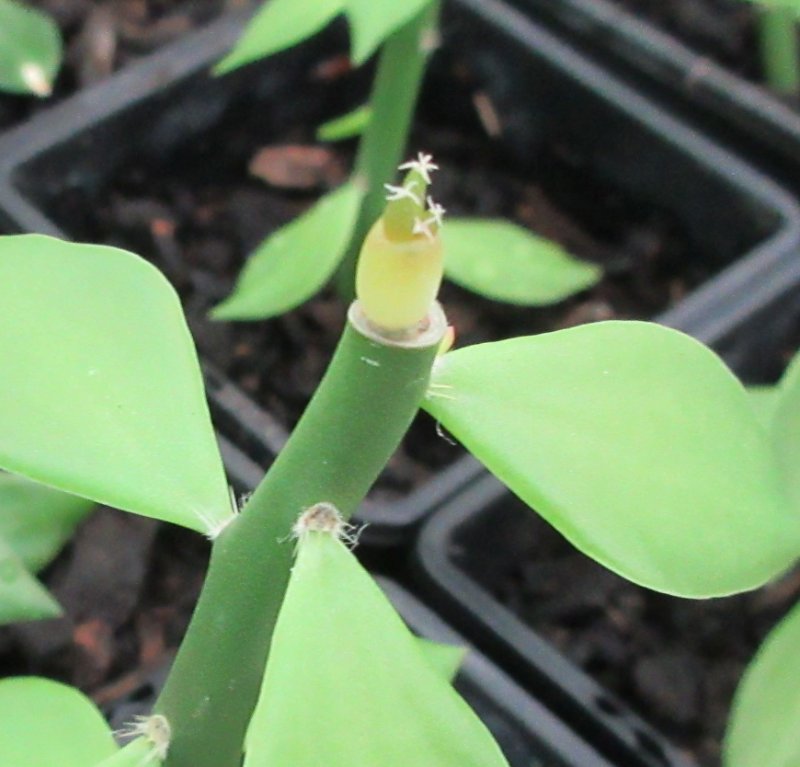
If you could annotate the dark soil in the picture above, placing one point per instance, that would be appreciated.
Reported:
(101, 37)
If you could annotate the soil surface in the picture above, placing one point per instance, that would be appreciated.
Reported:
(101, 37)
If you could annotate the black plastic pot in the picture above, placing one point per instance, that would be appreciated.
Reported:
(743, 112)
(546, 93)
(529, 735)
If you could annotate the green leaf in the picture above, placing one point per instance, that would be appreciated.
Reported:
(138, 753)
(278, 25)
(445, 659)
(765, 719)
(22, 597)
(764, 400)
(48, 724)
(343, 663)
(372, 21)
(346, 126)
(634, 441)
(101, 394)
(786, 430)
(505, 262)
(35, 520)
(30, 49)
(296, 261)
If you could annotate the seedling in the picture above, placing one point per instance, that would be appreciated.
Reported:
(492, 257)
(765, 721)
(780, 50)
(30, 49)
(632, 439)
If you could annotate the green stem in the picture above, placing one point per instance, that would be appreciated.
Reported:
(362, 409)
(394, 96)
(780, 51)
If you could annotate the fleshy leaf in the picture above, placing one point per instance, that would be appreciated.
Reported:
(101, 394)
(35, 520)
(764, 400)
(765, 718)
(138, 753)
(345, 126)
(340, 648)
(505, 262)
(296, 261)
(786, 431)
(30, 49)
(22, 597)
(278, 25)
(45, 723)
(445, 659)
(634, 441)
(372, 21)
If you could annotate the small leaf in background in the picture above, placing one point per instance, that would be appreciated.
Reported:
(30, 49)
(765, 718)
(505, 262)
(296, 261)
(101, 393)
(345, 126)
(48, 724)
(35, 520)
(764, 400)
(278, 25)
(786, 430)
(22, 597)
(372, 21)
(636, 443)
(339, 647)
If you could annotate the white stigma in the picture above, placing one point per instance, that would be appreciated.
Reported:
(424, 165)
(402, 192)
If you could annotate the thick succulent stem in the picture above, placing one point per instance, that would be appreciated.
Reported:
(780, 51)
(363, 407)
(394, 96)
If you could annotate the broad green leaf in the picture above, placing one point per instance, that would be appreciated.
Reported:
(48, 724)
(342, 659)
(345, 126)
(786, 430)
(278, 25)
(22, 597)
(30, 49)
(445, 659)
(101, 394)
(764, 400)
(295, 262)
(35, 520)
(505, 262)
(372, 21)
(138, 753)
(633, 440)
(765, 719)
